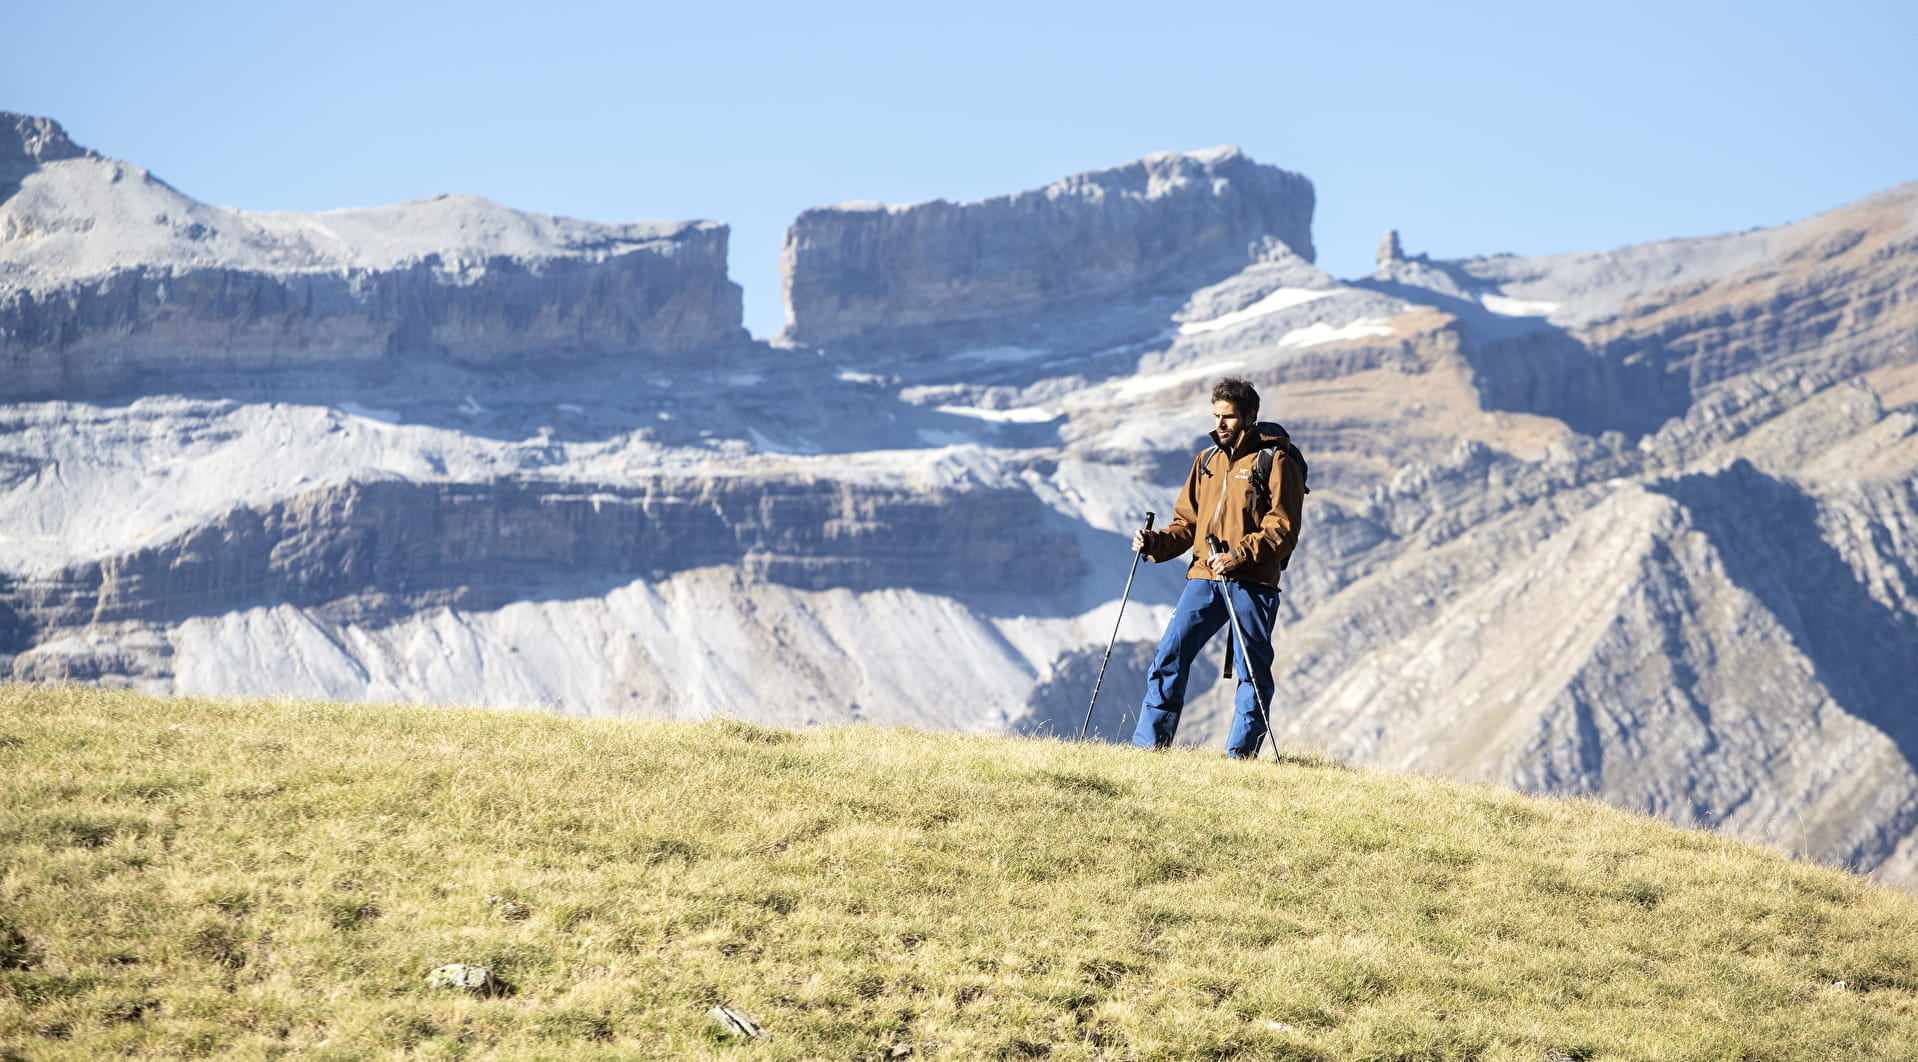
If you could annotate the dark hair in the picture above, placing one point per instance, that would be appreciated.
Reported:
(1238, 391)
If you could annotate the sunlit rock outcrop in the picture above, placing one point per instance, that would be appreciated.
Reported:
(1166, 224)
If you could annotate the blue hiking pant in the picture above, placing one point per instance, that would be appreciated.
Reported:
(1200, 614)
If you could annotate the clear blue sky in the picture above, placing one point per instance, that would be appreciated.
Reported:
(1472, 128)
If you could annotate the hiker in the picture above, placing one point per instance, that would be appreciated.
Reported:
(1244, 496)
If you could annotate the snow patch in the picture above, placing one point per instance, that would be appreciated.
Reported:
(1153, 383)
(1021, 415)
(1510, 307)
(1282, 299)
(1313, 335)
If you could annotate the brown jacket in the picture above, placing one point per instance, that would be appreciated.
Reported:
(1218, 499)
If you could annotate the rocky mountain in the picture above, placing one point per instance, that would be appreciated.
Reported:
(108, 275)
(950, 275)
(1639, 525)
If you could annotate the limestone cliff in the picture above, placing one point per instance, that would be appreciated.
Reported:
(1166, 224)
(107, 273)
(380, 550)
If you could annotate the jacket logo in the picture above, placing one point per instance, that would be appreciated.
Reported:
(1243, 473)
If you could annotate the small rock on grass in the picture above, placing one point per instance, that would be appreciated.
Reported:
(736, 1023)
(508, 910)
(460, 975)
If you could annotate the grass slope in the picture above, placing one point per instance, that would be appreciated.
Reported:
(261, 879)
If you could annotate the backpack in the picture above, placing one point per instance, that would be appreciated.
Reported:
(1273, 440)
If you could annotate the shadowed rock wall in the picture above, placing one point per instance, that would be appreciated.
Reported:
(367, 550)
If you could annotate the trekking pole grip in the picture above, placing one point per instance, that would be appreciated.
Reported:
(1143, 543)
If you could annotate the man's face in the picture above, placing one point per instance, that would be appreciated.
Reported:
(1228, 421)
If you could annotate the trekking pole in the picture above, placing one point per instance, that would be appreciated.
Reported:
(1245, 659)
(1083, 727)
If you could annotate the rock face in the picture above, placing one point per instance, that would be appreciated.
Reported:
(1712, 596)
(380, 550)
(1626, 340)
(1390, 253)
(26, 143)
(106, 274)
(1166, 224)
(1637, 525)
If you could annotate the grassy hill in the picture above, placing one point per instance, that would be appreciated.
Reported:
(262, 879)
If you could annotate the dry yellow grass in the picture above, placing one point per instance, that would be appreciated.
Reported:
(263, 879)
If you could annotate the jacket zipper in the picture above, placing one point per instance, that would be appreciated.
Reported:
(1225, 484)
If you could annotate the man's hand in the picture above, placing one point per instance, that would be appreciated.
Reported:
(1140, 539)
(1220, 563)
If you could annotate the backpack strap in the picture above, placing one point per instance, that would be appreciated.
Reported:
(1262, 477)
(1262, 469)
(1280, 442)
(1205, 459)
